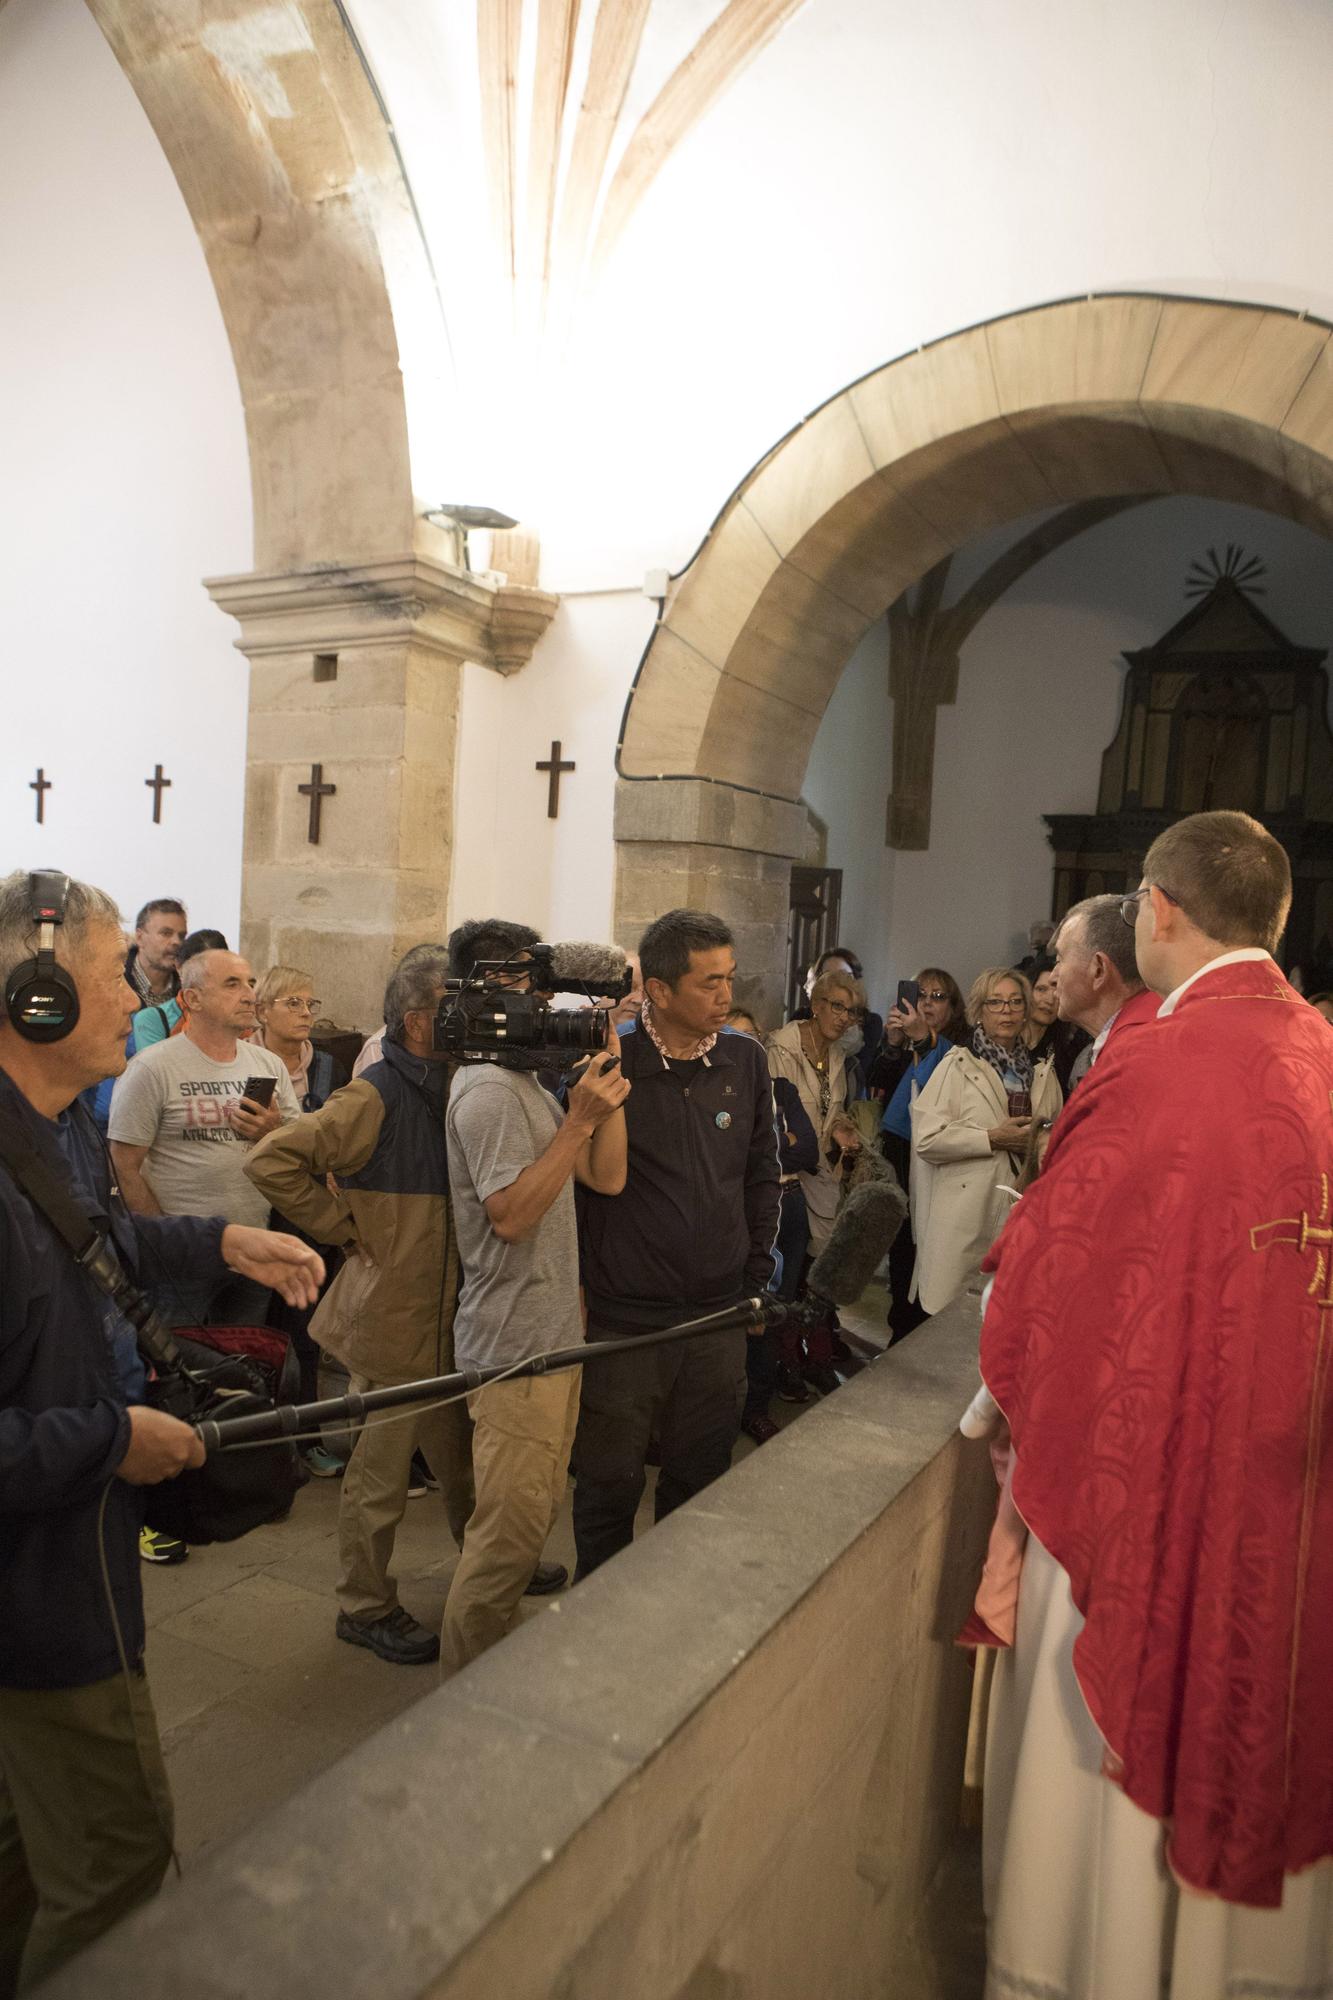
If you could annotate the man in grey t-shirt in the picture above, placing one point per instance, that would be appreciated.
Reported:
(513, 1160)
(181, 1127)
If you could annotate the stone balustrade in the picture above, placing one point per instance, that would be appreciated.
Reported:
(727, 1766)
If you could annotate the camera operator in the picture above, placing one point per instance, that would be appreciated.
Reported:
(692, 1232)
(513, 1159)
(85, 1813)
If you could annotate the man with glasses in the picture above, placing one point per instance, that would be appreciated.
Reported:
(1159, 1337)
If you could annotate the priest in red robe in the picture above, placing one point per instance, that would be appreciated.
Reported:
(1159, 1339)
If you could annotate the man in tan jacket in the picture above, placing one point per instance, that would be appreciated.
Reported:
(388, 1316)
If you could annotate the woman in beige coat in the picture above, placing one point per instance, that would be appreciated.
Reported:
(970, 1129)
(810, 1055)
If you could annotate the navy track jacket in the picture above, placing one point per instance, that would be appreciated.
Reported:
(694, 1227)
(67, 1374)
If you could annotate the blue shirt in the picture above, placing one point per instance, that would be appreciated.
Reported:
(898, 1112)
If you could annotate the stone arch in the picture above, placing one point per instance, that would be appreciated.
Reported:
(285, 163)
(358, 616)
(1119, 394)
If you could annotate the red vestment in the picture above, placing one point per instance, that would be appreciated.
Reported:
(1159, 1338)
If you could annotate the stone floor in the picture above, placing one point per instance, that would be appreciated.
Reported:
(254, 1694)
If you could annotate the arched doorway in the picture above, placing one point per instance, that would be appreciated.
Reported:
(1116, 395)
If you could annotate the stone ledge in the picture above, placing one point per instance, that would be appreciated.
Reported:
(408, 599)
(565, 1815)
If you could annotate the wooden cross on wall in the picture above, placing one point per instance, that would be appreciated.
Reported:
(555, 768)
(41, 784)
(157, 784)
(316, 791)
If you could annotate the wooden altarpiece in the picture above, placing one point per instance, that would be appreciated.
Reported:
(1224, 711)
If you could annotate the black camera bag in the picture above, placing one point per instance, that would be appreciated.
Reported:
(231, 1492)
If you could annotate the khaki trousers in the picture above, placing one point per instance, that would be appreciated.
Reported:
(85, 1819)
(521, 1440)
(374, 1495)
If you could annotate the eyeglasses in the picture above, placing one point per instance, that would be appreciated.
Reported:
(933, 994)
(837, 1006)
(298, 1005)
(1129, 908)
(1000, 1006)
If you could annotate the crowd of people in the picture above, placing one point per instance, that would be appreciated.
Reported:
(423, 1215)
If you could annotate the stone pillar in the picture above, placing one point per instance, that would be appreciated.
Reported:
(357, 669)
(689, 842)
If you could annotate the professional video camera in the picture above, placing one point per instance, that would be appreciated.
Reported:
(483, 1019)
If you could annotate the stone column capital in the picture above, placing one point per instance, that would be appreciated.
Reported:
(332, 607)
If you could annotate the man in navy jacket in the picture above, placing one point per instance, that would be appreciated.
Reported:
(85, 1814)
(692, 1232)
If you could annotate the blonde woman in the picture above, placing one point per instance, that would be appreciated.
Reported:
(970, 1130)
(286, 1008)
(810, 1055)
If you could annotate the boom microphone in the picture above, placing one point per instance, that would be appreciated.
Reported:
(581, 967)
(863, 1230)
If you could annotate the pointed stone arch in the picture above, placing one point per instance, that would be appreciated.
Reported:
(1119, 394)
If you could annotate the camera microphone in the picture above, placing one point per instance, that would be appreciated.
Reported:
(602, 969)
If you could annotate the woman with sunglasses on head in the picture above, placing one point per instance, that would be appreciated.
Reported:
(810, 1054)
(970, 1130)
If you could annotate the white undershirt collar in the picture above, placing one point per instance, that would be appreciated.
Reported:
(1248, 955)
(1099, 1042)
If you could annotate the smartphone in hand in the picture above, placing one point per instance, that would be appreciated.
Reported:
(909, 993)
(260, 1089)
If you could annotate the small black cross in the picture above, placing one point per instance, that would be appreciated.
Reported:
(158, 784)
(41, 784)
(555, 767)
(316, 791)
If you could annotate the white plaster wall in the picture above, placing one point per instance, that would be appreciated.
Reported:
(509, 859)
(1038, 701)
(884, 173)
(888, 171)
(123, 481)
(847, 787)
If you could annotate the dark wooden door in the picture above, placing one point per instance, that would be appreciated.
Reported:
(812, 925)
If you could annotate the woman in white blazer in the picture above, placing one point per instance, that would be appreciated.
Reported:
(970, 1129)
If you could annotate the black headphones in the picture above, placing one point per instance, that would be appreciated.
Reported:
(41, 999)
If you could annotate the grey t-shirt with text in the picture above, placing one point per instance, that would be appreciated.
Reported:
(174, 1099)
(518, 1299)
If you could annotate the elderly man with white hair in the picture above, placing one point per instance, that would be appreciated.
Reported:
(388, 1316)
(85, 1812)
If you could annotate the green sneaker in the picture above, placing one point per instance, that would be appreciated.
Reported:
(321, 1464)
(157, 1548)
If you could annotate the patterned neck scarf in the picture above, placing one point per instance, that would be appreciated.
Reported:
(1018, 1058)
(700, 1048)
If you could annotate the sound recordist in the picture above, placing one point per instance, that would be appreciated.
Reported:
(85, 1813)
